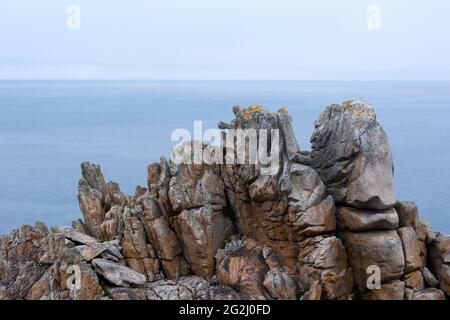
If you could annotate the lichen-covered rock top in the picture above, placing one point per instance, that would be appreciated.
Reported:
(351, 153)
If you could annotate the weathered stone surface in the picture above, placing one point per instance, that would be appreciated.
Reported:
(221, 292)
(89, 252)
(407, 213)
(189, 288)
(193, 186)
(429, 278)
(264, 189)
(112, 225)
(317, 219)
(96, 198)
(324, 259)
(68, 279)
(380, 248)
(337, 286)
(92, 192)
(424, 232)
(168, 290)
(351, 153)
(241, 266)
(439, 256)
(85, 283)
(355, 220)
(52, 247)
(76, 236)
(202, 232)
(164, 243)
(314, 292)
(439, 253)
(394, 290)
(19, 261)
(292, 147)
(414, 280)
(429, 294)
(280, 285)
(411, 249)
(118, 274)
(121, 293)
(444, 279)
(290, 203)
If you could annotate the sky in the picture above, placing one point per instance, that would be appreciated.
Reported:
(226, 39)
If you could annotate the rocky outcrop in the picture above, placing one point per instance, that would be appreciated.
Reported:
(323, 224)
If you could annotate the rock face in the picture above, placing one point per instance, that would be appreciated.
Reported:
(324, 224)
(375, 248)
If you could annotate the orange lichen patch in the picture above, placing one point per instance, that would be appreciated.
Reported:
(359, 111)
(252, 109)
(282, 110)
(348, 105)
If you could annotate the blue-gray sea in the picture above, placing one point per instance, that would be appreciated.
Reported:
(47, 128)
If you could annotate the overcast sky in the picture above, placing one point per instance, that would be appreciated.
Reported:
(226, 39)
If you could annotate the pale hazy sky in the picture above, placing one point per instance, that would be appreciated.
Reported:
(225, 39)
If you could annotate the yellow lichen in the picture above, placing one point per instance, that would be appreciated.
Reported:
(252, 109)
(282, 110)
(359, 111)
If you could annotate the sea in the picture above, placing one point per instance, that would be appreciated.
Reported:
(48, 128)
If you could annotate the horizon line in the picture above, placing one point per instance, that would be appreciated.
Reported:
(234, 80)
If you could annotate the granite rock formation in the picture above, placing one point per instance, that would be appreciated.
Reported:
(319, 226)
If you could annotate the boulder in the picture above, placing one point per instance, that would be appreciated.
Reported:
(439, 253)
(351, 153)
(79, 237)
(351, 219)
(394, 290)
(317, 219)
(280, 285)
(241, 266)
(429, 278)
(414, 281)
(89, 252)
(121, 293)
(429, 294)
(118, 274)
(379, 248)
(411, 249)
(407, 213)
(324, 259)
(444, 279)
(222, 292)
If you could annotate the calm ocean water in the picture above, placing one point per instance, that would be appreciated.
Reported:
(48, 128)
